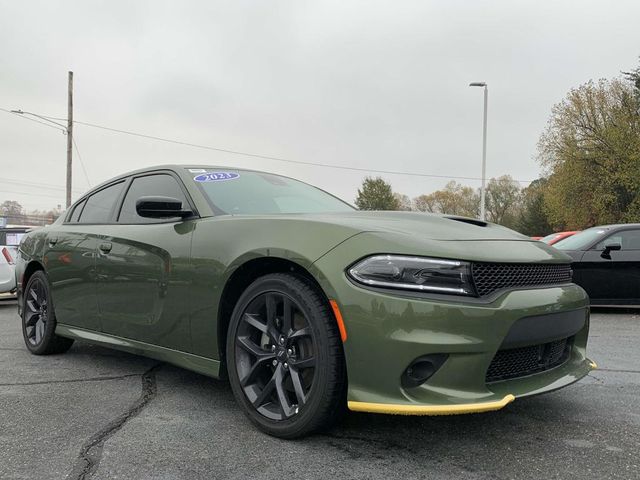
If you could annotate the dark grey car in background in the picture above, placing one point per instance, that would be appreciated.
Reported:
(606, 263)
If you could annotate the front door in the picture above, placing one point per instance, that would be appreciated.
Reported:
(143, 270)
(613, 278)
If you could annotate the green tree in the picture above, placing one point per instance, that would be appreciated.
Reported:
(503, 201)
(453, 199)
(376, 194)
(591, 152)
(533, 216)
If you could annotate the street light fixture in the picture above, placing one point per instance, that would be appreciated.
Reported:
(484, 146)
(22, 112)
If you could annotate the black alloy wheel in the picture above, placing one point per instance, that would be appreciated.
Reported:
(275, 358)
(38, 318)
(284, 357)
(35, 312)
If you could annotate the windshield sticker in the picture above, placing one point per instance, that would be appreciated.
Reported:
(197, 170)
(216, 176)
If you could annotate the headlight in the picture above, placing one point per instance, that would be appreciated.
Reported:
(414, 273)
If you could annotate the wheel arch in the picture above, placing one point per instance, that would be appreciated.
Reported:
(242, 277)
(32, 267)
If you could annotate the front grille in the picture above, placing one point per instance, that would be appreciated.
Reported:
(491, 277)
(519, 362)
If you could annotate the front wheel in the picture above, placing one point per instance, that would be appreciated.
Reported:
(39, 320)
(284, 357)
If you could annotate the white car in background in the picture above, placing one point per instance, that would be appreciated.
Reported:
(8, 255)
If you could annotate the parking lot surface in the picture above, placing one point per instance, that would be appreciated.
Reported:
(101, 414)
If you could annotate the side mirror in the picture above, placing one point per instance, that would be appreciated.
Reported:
(608, 248)
(161, 207)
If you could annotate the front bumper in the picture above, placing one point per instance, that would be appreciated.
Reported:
(401, 409)
(388, 331)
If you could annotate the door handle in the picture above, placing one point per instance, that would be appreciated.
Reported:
(105, 247)
(53, 241)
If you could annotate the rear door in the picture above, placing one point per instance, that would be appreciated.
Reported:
(143, 268)
(70, 256)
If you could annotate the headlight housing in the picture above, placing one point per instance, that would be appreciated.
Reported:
(433, 275)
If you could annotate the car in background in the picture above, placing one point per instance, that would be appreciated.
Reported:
(537, 238)
(12, 235)
(606, 263)
(554, 238)
(8, 255)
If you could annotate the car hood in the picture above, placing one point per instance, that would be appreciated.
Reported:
(426, 226)
(308, 237)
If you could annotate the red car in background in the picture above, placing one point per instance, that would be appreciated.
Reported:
(556, 237)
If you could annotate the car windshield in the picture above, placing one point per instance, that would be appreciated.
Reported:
(241, 192)
(550, 237)
(581, 240)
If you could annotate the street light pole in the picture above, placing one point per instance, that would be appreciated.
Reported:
(69, 136)
(484, 147)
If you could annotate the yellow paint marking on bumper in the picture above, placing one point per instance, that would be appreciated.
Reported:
(395, 409)
(593, 364)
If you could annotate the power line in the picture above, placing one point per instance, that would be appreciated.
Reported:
(47, 186)
(268, 157)
(84, 170)
(59, 197)
(60, 127)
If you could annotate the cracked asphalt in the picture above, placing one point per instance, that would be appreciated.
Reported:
(101, 414)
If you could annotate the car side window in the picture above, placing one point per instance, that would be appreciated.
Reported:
(76, 212)
(628, 239)
(99, 205)
(150, 185)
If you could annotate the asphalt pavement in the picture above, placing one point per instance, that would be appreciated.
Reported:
(101, 414)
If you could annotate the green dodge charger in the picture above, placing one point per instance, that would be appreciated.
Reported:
(307, 305)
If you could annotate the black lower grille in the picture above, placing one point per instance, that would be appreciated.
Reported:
(519, 362)
(490, 277)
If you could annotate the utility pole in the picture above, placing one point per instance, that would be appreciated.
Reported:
(69, 136)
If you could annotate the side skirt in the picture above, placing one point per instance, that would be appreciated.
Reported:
(196, 363)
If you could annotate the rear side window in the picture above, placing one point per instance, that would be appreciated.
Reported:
(99, 205)
(76, 212)
(149, 186)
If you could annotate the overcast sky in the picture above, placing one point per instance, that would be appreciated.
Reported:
(380, 85)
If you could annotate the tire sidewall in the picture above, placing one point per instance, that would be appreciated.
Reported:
(300, 422)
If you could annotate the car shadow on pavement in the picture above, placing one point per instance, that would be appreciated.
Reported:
(194, 413)
(617, 310)
(8, 302)
(546, 432)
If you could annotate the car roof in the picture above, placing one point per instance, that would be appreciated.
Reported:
(616, 226)
(175, 167)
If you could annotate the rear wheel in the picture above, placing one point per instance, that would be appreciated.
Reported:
(39, 320)
(284, 357)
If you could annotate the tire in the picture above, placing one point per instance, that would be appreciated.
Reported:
(287, 371)
(39, 320)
